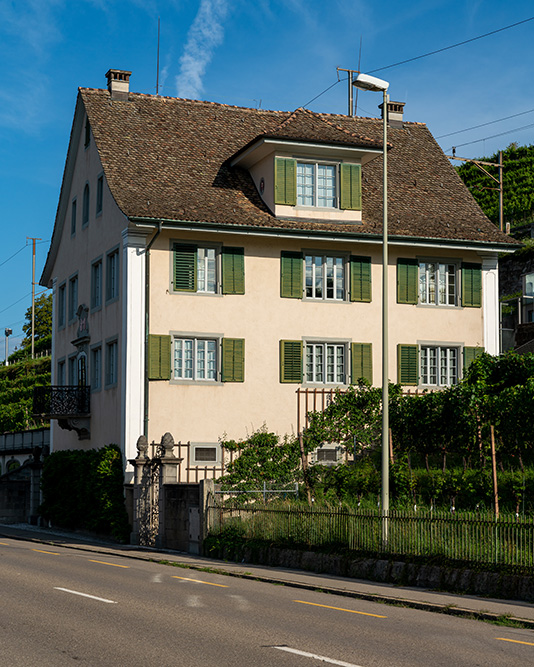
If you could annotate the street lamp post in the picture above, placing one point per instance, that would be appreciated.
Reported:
(367, 82)
(7, 333)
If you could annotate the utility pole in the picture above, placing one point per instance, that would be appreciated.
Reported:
(351, 73)
(480, 164)
(33, 240)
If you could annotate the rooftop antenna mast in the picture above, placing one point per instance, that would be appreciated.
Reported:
(351, 73)
(359, 69)
(157, 65)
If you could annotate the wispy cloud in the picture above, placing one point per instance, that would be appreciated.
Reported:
(205, 35)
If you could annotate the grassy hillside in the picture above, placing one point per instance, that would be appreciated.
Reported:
(16, 392)
(518, 179)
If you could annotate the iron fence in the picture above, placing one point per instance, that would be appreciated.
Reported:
(466, 538)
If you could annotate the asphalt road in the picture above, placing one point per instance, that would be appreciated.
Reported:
(60, 607)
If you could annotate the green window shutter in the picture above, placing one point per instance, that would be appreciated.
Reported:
(407, 280)
(362, 362)
(472, 285)
(159, 357)
(291, 275)
(351, 186)
(360, 279)
(233, 360)
(233, 270)
(470, 354)
(185, 267)
(291, 361)
(285, 181)
(408, 364)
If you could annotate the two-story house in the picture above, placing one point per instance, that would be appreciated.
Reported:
(207, 261)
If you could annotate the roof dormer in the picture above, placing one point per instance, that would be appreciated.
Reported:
(309, 168)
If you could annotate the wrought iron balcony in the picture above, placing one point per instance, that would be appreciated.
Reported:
(62, 402)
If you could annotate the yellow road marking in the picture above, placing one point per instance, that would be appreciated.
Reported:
(351, 611)
(514, 641)
(54, 553)
(4, 544)
(103, 562)
(197, 581)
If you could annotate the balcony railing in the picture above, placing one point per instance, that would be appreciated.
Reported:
(62, 402)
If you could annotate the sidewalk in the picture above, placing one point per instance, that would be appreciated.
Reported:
(417, 598)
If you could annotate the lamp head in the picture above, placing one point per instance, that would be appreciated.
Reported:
(368, 82)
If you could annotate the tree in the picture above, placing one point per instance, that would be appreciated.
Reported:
(43, 320)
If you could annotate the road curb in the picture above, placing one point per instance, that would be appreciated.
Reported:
(151, 554)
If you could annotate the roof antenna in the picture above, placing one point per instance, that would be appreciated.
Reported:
(157, 65)
(359, 69)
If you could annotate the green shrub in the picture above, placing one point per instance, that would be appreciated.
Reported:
(84, 490)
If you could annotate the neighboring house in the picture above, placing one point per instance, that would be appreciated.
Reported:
(516, 288)
(207, 261)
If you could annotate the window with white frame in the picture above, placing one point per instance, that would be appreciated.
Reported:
(73, 370)
(96, 368)
(61, 305)
(112, 363)
(61, 379)
(439, 365)
(96, 284)
(316, 184)
(438, 283)
(325, 277)
(73, 297)
(206, 270)
(99, 194)
(195, 359)
(73, 212)
(205, 454)
(112, 275)
(326, 363)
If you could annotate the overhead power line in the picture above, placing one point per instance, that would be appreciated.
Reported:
(13, 255)
(491, 122)
(494, 136)
(452, 46)
(425, 55)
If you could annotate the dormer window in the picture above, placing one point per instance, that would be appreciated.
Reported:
(313, 184)
(316, 184)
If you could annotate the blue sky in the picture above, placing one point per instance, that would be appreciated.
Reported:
(277, 54)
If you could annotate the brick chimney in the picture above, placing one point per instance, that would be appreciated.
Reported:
(395, 113)
(118, 83)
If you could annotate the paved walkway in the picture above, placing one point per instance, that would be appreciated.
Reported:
(417, 598)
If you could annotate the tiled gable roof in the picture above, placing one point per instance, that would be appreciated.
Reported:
(169, 158)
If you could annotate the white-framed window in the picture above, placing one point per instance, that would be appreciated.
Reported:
(195, 359)
(439, 365)
(112, 363)
(324, 277)
(73, 212)
(73, 297)
(61, 305)
(206, 270)
(326, 363)
(205, 454)
(61, 379)
(112, 275)
(73, 370)
(96, 368)
(96, 284)
(85, 205)
(317, 184)
(438, 283)
(99, 194)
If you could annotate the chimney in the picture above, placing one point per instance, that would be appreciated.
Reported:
(118, 84)
(395, 112)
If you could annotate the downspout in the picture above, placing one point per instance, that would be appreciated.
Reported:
(147, 323)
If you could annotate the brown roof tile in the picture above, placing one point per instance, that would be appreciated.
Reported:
(169, 158)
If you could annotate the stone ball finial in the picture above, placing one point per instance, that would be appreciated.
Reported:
(142, 447)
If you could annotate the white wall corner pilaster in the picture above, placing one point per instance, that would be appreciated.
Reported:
(490, 302)
(132, 340)
(53, 364)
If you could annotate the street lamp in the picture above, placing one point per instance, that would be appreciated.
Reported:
(7, 333)
(367, 82)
